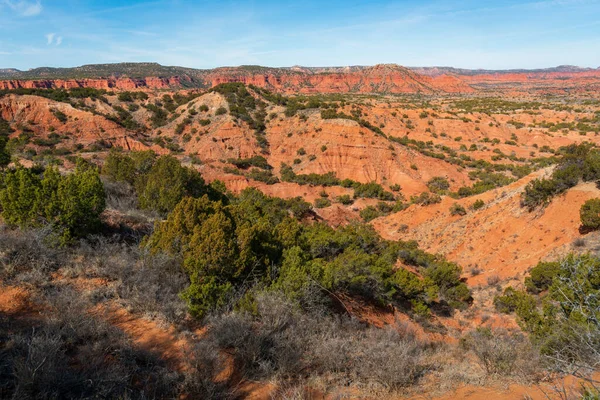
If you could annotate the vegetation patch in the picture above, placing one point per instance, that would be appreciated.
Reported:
(243, 106)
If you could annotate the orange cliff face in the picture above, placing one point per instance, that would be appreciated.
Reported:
(386, 78)
(96, 83)
(377, 79)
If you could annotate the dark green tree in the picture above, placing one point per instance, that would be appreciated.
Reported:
(4, 154)
(166, 183)
(119, 167)
(81, 199)
(71, 204)
(19, 197)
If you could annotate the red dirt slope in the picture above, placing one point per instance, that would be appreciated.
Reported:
(502, 239)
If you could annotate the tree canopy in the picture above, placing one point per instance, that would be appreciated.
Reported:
(70, 203)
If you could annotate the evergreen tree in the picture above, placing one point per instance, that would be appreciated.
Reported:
(119, 167)
(71, 204)
(81, 200)
(19, 197)
(167, 183)
(4, 154)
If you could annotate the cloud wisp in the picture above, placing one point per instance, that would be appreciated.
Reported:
(52, 39)
(24, 8)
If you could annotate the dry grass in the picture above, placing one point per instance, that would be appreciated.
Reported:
(279, 342)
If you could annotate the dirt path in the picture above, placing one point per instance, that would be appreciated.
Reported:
(147, 334)
(543, 391)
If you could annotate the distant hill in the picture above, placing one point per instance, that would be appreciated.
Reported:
(433, 71)
(381, 78)
(118, 70)
(143, 70)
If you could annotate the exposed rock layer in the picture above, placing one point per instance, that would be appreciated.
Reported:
(388, 78)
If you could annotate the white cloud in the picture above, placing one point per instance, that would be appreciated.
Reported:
(24, 8)
(52, 39)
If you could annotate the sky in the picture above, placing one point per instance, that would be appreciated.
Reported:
(206, 34)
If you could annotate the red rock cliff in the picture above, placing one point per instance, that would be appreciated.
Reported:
(378, 79)
(98, 83)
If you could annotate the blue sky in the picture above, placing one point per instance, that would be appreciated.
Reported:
(207, 34)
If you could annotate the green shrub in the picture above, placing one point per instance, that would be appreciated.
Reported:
(372, 190)
(591, 166)
(344, 199)
(265, 176)
(446, 277)
(384, 207)
(221, 245)
(457, 209)
(426, 199)
(255, 161)
(438, 184)
(132, 96)
(327, 179)
(159, 115)
(478, 204)
(322, 202)
(125, 96)
(590, 214)
(61, 116)
(538, 192)
(541, 276)
(369, 213)
(131, 168)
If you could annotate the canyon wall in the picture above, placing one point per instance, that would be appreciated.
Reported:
(387, 78)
